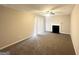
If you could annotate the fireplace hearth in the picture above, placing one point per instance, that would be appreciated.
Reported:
(55, 28)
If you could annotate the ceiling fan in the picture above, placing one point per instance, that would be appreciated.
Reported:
(52, 11)
(47, 13)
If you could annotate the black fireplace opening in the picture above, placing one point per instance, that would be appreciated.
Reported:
(55, 28)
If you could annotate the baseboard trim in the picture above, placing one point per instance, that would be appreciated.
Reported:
(73, 45)
(15, 42)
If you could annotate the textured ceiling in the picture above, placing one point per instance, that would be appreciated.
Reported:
(62, 9)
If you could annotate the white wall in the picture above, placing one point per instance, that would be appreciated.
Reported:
(62, 20)
(14, 26)
(75, 28)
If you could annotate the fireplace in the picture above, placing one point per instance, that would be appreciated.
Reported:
(55, 28)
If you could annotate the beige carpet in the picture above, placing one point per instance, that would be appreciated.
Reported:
(43, 44)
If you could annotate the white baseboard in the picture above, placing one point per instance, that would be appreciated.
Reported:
(15, 42)
(65, 33)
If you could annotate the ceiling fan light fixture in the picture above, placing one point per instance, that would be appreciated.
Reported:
(48, 14)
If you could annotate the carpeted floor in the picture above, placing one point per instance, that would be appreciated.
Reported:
(44, 44)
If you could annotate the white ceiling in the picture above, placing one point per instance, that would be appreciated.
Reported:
(62, 9)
